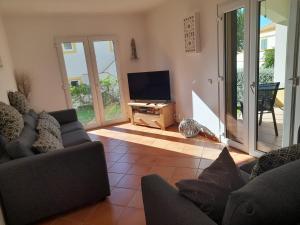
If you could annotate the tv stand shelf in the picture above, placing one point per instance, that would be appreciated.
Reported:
(158, 115)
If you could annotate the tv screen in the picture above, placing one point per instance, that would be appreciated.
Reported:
(149, 85)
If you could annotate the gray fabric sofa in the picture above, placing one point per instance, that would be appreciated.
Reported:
(38, 186)
(272, 198)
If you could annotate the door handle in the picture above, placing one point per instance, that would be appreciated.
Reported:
(295, 81)
(252, 87)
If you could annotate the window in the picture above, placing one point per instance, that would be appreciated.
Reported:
(264, 44)
(69, 47)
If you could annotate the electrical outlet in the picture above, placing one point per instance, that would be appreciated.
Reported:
(1, 63)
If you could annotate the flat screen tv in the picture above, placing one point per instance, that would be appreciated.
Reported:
(149, 86)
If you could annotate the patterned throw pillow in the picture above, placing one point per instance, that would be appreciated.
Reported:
(44, 115)
(275, 159)
(44, 124)
(19, 101)
(46, 142)
(11, 122)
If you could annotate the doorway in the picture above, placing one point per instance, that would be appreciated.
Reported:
(258, 73)
(233, 29)
(91, 79)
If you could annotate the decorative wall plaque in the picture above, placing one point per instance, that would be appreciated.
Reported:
(192, 33)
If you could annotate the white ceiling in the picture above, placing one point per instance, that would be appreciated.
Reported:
(76, 6)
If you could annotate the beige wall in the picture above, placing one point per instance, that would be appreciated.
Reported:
(195, 96)
(160, 41)
(7, 80)
(32, 45)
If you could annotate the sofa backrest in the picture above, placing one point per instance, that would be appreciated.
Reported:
(270, 199)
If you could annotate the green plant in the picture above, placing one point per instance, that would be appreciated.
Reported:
(266, 75)
(110, 89)
(269, 58)
(240, 29)
(81, 94)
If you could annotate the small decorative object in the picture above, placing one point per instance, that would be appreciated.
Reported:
(23, 84)
(134, 55)
(189, 128)
(192, 33)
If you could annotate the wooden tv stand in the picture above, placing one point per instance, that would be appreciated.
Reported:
(158, 115)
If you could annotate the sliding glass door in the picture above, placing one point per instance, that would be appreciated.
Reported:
(272, 68)
(259, 73)
(91, 79)
(233, 28)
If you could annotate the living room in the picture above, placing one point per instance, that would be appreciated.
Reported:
(59, 47)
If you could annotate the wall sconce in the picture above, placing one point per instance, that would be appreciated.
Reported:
(134, 55)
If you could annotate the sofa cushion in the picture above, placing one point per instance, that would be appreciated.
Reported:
(4, 157)
(11, 122)
(215, 183)
(46, 142)
(19, 101)
(75, 138)
(68, 127)
(46, 116)
(30, 120)
(21, 147)
(45, 124)
(33, 114)
(275, 159)
(270, 199)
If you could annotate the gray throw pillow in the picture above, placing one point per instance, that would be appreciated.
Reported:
(210, 192)
(44, 124)
(44, 115)
(11, 122)
(19, 101)
(275, 159)
(46, 142)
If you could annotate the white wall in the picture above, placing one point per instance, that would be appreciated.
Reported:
(195, 96)
(32, 45)
(7, 79)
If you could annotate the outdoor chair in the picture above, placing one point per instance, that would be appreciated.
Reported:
(265, 101)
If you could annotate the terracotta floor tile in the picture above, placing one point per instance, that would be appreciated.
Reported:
(139, 170)
(199, 171)
(66, 222)
(130, 181)
(137, 201)
(113, 157)
(109, 164)
(130, 158)
(178, 162)
(132, 216)
(119, 149)
(204, 163)
(132, 152)
(105, 214)
(119, 167)
(148, 160)
(114, 178)
(163, 171)
(121, 196)
(184, 173)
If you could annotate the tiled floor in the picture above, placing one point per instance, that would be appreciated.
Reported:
(132, 152)
(267, 140)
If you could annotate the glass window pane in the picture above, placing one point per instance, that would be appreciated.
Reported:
(80, 89)
(108, 77)
(234, 73)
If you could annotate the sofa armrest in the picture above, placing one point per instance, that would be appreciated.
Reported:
(163, 205)
(34, 188)
(65, 116)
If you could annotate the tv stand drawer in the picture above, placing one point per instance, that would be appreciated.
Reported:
(150, 120)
